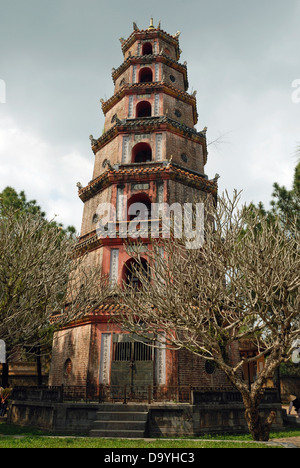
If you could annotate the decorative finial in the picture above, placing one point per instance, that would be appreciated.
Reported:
(106, 163)
(93, 141)
(151, 24)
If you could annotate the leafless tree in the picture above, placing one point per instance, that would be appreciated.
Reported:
(243, 284)
(43, 284)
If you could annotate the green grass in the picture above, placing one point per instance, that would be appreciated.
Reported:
(47, 442)
(24, 437)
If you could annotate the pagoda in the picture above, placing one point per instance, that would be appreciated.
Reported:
(150, 152)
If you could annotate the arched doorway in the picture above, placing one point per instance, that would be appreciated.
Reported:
(143, 109)
(139, 205)
(145, 75)
(147, 48)
(141, 153)
(133, 270)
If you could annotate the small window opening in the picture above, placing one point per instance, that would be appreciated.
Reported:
(146, 75)
(141, 153)
(147, 48)
(143, 109)
(130, 274)
(139, 206)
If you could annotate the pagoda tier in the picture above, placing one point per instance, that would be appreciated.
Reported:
(149, 138)
(150, 152)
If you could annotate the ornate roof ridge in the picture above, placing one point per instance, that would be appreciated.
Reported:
(152, 84)
(153, 167)
(144, 122)
(126, 42)
(126, 62)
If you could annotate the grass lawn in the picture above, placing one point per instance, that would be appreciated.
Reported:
(47, 442)
(18, 437)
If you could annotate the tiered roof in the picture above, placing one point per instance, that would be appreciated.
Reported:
(135, 172)
(150, 33)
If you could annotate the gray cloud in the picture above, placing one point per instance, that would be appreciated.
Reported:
(56, 61)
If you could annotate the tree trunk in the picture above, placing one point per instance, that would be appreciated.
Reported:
(39, 367)
(259, 427)
(5, 370)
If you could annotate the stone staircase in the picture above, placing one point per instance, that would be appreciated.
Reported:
(120, 421)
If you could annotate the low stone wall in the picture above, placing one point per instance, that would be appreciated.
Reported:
(196, 420)
(164, 419)
(64, 418)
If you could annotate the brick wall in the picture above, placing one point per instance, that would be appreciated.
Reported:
(192, 371)
(90, 210)
(111, 151)
(70, 344)
(178, 110)
(178, 146)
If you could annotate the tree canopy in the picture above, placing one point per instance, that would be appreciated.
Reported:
(242, 285)
(40, 275)
(12, 201)
(285, 203)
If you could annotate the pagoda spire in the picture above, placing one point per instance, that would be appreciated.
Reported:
(151, 24)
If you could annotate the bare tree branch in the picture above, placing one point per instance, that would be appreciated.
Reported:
(243, 284)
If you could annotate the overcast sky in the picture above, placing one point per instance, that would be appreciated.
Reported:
(56, 59)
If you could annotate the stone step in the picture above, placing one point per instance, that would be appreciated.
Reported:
(119, 425)
(112, 407)
(120, 415)
(125, 421)
(120, 434)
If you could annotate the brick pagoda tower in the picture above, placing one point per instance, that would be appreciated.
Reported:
(149, 152)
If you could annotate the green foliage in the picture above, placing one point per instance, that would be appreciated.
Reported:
(10, 201)
(285, 203)
(290, 369)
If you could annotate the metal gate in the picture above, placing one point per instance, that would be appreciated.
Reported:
(132, 363)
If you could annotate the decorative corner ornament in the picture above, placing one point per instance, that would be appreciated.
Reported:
(93, 141)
